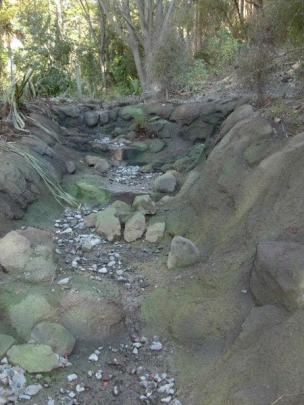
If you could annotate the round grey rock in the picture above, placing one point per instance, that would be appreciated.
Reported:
(183, 253)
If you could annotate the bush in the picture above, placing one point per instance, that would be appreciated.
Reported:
(255, 67)
(220, 51)
(192, 80)
(169, 62)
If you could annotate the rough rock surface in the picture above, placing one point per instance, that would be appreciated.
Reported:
(34, 358)
(278, 274)
(123, 210)
(28, 254)
(183, 253)
(155, 232)
(55, 335)
(165, 183)
(135, 227)
(29, 311)
(108, 224)
(6, 342)
(145, 204)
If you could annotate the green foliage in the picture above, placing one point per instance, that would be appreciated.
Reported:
(220, 51)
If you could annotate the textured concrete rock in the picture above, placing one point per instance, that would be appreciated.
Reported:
(28, 255)
(6, 342)
(135, 227)
(108, 224)
(90, 220)
(90, 317)
(91, 118)
(123, 210)
(100, 164)
(145, 204)
(32, 309)
(165, 183)
(183, 253)
(278, 274)
(34, 358)
(55, 335)
(155, 232)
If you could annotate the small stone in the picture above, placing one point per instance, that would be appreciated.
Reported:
(103, 270)
(64, 281)
(116, 391)
(72, 377)
(23, 397)
(72, 394)
(135, 351)
(33, 389)
(156, 346)
(166, 400)
(80, 388)
(165, 389)
(93, 357)
(99, 375)
(176, 402)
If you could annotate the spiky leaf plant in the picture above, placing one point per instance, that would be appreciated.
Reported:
(61, 196)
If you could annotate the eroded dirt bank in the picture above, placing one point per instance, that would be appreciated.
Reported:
(92, 284)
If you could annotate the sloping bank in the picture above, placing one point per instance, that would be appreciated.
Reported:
(238, 315)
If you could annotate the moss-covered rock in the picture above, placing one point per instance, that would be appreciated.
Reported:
(6, 342)
(55, 335)
(108, 224)
(34, 358)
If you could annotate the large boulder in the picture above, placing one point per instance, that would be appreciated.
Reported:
(166, 183)
(100, 164)
(155, 232)
(6, 342)
(135, 227)
(91, 118)
(55, 335)
(34, 358)
(108, 224)
(32, 309)
(89, 316)
(123, 210)
(28, 254)
(278, 274)
(145, 204)
(183, 253)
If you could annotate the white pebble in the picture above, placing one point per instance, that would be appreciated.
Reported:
(93, 357)
(166, 400)
(64, 281)
(72, 377)
(80, 388)
(72, 394)
(103, 270)
(156, 346)
(33, 389)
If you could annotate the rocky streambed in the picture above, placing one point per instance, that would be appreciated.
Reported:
(177, 278)
(71, 324)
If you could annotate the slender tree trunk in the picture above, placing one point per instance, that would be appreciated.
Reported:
(10, 60)
(78, 81)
